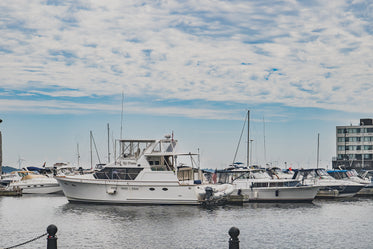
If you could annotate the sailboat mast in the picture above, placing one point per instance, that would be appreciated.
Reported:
(121, 117)
(108, 143)
(318, 151)
(78, 155)
(90, 147)
(248, 139)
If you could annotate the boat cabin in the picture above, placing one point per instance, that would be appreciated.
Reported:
(320, 173)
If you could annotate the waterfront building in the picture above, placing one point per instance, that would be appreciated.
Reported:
(354, 145)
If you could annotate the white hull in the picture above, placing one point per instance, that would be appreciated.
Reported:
(37, 187)
(283, 194)
(336, 188)
(129, 192)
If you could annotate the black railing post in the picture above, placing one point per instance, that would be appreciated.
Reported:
(234, 242)
(52, 239)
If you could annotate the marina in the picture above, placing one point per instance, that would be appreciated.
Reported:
(321, 224)
(166, 124)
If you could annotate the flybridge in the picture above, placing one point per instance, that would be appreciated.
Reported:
(134, 148)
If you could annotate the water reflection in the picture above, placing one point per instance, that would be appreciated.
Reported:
(133, 212)
(262, 225)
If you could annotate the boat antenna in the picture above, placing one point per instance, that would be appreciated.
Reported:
(121, 117)
(239, 141)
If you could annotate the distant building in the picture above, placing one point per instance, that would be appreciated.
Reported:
(355, 145)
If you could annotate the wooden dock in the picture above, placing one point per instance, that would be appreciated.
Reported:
(10, 192)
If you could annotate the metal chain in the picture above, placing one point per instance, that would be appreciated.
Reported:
(26, 241)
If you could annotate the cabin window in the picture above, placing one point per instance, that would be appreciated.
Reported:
(164, 189)
(161, 163)
(118, 173)
(151, 189)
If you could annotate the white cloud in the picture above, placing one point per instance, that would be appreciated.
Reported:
(315, 55)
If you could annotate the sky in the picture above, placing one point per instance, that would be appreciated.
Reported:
(192, 68)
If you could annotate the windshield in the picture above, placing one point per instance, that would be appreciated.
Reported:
(323, 174)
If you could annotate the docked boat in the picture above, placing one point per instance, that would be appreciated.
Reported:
(256, 185)
(353, 176)
(30, 182)
(329, 186)
(145, 172)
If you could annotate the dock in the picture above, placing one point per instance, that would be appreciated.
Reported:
(10, 192)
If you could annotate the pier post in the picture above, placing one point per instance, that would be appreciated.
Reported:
(52, 239)
(234, 242)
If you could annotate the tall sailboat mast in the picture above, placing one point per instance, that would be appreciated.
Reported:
(318, 150)
(248, 139)
(108, 143)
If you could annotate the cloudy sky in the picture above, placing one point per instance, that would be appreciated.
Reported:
(192, 67)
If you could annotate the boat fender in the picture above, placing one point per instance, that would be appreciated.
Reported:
(111, 191)
(277, 192)
(239, 192)
(209, 193)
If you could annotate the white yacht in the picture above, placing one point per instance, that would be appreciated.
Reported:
(33, 183)
(329, 186)
(145, 172)
(256, 185)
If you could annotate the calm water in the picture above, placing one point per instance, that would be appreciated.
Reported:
(323, 224)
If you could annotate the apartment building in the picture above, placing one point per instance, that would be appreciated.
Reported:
(355, 145)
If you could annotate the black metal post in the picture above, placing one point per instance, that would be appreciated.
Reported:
(52, 239)
(234, 242)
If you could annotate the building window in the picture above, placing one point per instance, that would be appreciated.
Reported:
(353, 130)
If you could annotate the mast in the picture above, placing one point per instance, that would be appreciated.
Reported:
(318, 146)
(90, 147)
(77, 149)
(121, 118)
(108, 143)
(264, 142)
(248, 140)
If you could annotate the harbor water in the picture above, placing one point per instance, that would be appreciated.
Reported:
(322, 224)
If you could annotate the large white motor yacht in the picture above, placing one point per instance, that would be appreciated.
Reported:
(145, 172)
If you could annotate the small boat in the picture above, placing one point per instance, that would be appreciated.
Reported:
(329, 186)
(353, 176)
(145, 172)
(31, 182)
(256, 185)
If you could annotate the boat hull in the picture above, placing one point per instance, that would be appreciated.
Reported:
(366, 191)
(38, 187)
(340, 191)
(128, 192)
(275, 194)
